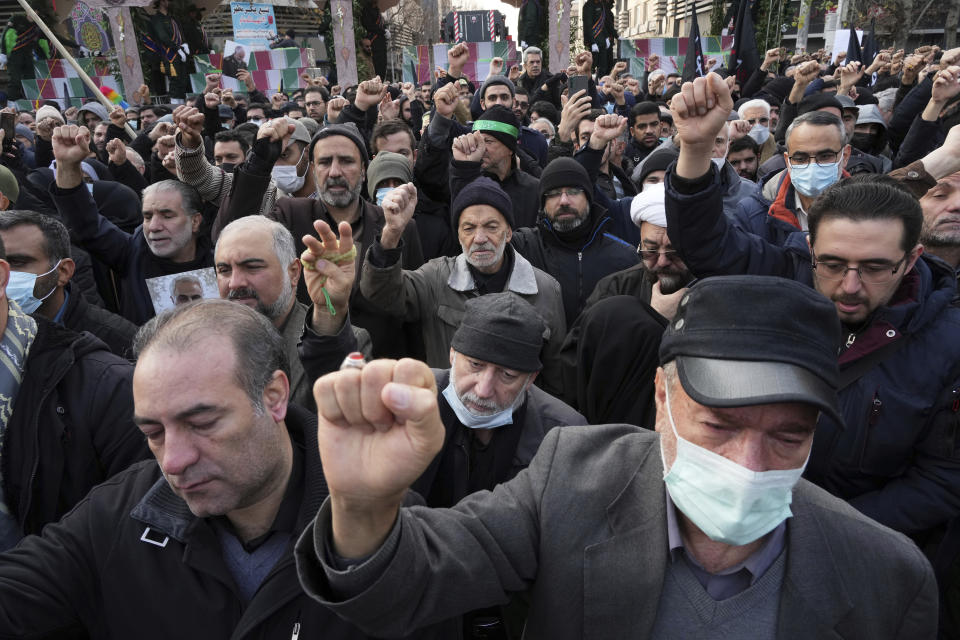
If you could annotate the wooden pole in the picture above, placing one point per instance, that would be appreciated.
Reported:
(69, 58)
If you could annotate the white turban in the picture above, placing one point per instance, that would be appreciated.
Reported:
(649, 206)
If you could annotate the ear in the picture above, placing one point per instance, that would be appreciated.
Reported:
(452, 355)
(659, 394)
(4, 202)
(846, 157)
(276, 395)
(509, 235)
(294, 269)
(809, 246)
(915, 254)
(195, 223)
(4, 276)
(65, 271)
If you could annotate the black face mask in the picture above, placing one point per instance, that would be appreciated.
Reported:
(228, 167)
(871, 143)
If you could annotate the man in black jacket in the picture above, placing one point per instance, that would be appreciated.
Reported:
(40, 245)
(208, 528)
(570, 240)
(166, 243)
(65, 416)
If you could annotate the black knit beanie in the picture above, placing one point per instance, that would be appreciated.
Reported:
(565, 172)
(483, 190)
(500, 123)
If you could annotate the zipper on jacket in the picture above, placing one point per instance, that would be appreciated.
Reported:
(579, 279)
(875, 410)
(296, 631)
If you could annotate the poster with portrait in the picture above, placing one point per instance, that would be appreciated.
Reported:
(167, 292)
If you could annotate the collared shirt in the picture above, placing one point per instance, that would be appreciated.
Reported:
(63, 308)
(731, 581)
(801, 213)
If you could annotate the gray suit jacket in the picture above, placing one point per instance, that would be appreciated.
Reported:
(584, 529)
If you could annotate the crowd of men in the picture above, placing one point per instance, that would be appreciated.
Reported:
(640, 359)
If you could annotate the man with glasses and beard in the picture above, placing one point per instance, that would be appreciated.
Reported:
(571, 239)
(435, 295)
(626, 314)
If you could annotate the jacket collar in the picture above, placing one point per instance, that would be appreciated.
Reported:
(168, 514)
(522, 278)
(814, 591)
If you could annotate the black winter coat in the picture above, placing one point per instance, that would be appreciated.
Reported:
(72, 426)
(132, 549)
(577, 268)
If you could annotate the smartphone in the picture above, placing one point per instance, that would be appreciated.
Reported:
(579, 83)
(8, 122)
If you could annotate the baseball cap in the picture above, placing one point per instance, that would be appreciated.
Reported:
(740, 341)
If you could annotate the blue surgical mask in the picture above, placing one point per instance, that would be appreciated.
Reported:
(728, 502)
(382, 193)
(609, 106)
(472, 420)
(20, 289)
(812, 180)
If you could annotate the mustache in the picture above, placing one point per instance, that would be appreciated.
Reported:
(336, 182)
(243, 292)
(486, 246)
(564, 208)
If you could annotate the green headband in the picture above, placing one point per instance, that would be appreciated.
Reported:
(493, 125)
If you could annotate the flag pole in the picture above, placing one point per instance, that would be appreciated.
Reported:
(69, 58)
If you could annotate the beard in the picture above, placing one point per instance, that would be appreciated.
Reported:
(482, 263)
(484, 406)
(568, 224)
(339, 200)
(931, 237)
(671, 279)
(270, 311)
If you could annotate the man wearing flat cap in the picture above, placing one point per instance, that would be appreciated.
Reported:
(435, 294)
(701, 530)
(493, 415)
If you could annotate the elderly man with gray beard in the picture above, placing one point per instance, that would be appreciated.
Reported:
(435, 295)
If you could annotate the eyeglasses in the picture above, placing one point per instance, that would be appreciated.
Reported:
(872, 273)
(823, 158)
(571, 192)
(650, 254)
(521, 105)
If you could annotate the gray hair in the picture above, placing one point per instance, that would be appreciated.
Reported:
(179, 279)
(818, 119)
(756, 103)
(56, 238)
(530, 50)
(258, 346)
(553, 129)
(135, 159)
(283, 246)
(190, 198)
(886, 99)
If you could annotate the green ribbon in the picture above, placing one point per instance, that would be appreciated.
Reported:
(493, 125)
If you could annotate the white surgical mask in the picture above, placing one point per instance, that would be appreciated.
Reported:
(759, 133)
(381, 194)
(471, 420)
(20, 289)
(256, 121)
(728, 502)
(286, 177)
(812, 180)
